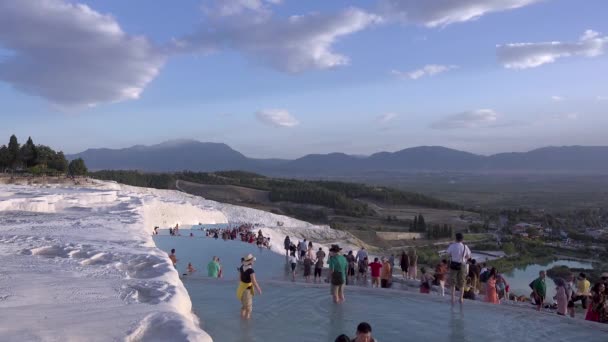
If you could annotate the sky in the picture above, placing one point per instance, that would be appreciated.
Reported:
(285, 78)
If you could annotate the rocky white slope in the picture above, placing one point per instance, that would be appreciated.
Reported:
(79, 263)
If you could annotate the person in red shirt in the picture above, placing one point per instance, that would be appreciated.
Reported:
(376, 267)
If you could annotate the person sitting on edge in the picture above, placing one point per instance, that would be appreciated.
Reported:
(364, 333)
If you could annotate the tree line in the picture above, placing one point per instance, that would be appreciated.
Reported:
(37, 159)
(432, 231)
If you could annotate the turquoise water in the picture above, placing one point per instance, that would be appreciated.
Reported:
(288, 311)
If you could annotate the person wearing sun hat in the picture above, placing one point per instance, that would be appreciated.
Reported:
(245, 292)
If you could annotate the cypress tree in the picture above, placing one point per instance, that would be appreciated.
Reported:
(13, 151)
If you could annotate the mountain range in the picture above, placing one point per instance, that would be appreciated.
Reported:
(192, 155)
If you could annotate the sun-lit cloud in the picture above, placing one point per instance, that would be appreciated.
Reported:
(277, 118)
(386, 118)
(433, 13)
(532, 55)
(72, 55)
(427, 70)
(291, 44)
(557, 98)
(480, 118)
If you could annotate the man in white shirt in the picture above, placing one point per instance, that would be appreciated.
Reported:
(362, 254)
(459, 254)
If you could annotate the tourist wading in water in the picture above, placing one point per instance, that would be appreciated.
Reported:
(539, 290)
(459, 254)
(245, 290)
(338, 267)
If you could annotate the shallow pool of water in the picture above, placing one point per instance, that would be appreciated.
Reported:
(519, 278)
(289, 311)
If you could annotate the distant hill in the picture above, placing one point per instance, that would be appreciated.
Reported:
(193, 155)
(173, 155)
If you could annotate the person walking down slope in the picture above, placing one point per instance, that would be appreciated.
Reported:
(539, 290)
(387, 274)
(413, 268)
(248, 282)
(303, 249)
(404, 262)
(376, 267)
(286, 245)
(459, 254)
(338, 268)
(363, 268)
(293, 263)
(319, 264)
(352, 261)
(307, 268)
(361, 254)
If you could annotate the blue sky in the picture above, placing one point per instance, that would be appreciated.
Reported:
(341, 77)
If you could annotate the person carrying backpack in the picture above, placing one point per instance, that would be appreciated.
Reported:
(337, 267)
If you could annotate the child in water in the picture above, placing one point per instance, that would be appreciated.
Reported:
(191, 268)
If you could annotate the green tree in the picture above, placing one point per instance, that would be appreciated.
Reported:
(77, 167)
(59, 162)
(509, 248)
(4, 158)
(13, 151)
(28, 153)
(421, 223)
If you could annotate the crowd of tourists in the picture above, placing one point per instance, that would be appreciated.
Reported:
(244, 232)
(594, 299)
(458, 271)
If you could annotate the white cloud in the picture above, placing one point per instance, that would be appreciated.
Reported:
(602, 98)
(427, 70)
(480, 118)
(531, 55)
(72, 55)
(386, 118)
(234, 7)
(557, 98)
(292, 44)
(277, 118)
(433, 13)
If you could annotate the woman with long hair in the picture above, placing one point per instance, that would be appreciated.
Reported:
(491, 293)
(598, 312)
